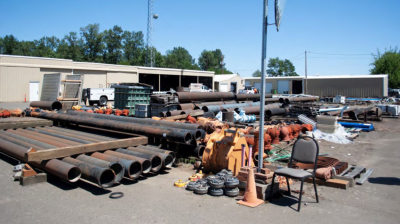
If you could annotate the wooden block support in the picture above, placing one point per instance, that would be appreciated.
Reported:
(39, 178)
(342, 184)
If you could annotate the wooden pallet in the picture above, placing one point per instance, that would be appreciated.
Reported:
(350, 174)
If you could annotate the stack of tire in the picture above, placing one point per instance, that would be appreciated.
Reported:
(216, 185)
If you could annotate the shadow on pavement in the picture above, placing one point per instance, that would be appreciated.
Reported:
(384, 180)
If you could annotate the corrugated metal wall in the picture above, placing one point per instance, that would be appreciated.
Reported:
(93, 79)
(117, 77)
(50, 87)
(349, 87)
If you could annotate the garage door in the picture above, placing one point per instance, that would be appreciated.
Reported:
(223, 87)
(268, 87)
(283, 85)
(257, 85)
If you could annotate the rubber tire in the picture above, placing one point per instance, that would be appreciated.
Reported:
(216, 192)
(191, 186)
(103, 101)
(232, 192)
(217, 183)
(211, 177)
(231, 182)
(201, 190)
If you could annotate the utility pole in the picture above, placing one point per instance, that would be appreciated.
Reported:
(262, 90)
(305, 89)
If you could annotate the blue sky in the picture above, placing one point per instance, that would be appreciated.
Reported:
(347, 28)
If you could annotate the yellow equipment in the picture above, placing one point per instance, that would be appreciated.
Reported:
(224, 151)
(180, 183)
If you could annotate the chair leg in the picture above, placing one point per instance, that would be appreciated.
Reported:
(272, 188)
(301, 194)
(315, 188)
(288, 186)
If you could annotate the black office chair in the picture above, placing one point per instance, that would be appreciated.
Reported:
(305, 150)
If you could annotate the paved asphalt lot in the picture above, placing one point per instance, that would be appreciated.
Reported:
(154, 199)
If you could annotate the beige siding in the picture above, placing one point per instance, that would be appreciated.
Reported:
(117, 77)
(14, 83)
(93, 79)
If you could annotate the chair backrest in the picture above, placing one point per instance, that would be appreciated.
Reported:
(305, 150)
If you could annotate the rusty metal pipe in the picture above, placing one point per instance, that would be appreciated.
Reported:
(137, 120)
(34, 136)
(173, 113)
(145, 163)
(156, 162)
(244, 97)
(157, 149)
(275, 111)
(160, 132)
(186, 111)
(76, 136)
(166, 159)
(66, 137)
(47, 137)
(300, 99)
(28, 140)
(47, 105)
(54, 166)
(187, 97)
(186, 106)
(163, 114)
(20, 143)
(133, 168)
(256, 109)
(104, 177)
(116, 167)
(82, 133)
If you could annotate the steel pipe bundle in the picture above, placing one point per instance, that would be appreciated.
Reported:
(155, 160)
(29, 141)
(158, 149)
(104, 177)
(173, 113)
(256, 109)
(187, 97)
(132, 168)
(244, 97)
(178, 135)
(116, 167)
(192, 150)
(145, 163)
(59, 135)
(76, 135)
(298, 99)
(82, 134)
(47, 105)
(167, 159)
(56, 167)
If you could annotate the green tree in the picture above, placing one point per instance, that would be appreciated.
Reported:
(179, 58)
(1, 45)
(257, 73)
(133, 47)
(26, 48)
(388, 63)
(71, 47)
(207, 60)
(10, 45)
(113, 45)
(277, 67)
(93, 42)
(219, 72)
(46, 47)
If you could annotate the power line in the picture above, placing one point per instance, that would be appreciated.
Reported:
(297, 59)
(339, 58)
(296, 56)
(335, 54)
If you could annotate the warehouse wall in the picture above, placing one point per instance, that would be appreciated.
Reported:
(117, 77)
(349, 87)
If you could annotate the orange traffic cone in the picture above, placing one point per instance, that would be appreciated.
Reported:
(250, 196)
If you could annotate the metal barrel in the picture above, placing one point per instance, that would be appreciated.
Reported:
(137, 120)
(185, 106)
(35, 136)
(47, 105)
(145, 163)
(59, 136)
(156, 162)
(104, 177)
(133, 168)
(83, 134)
(187, 97)
(167, 159)
(173, 113)
(118, 169)
(300, 99)
(28, 140)
(76, 136)
(160, 132)
(54, 166)
(244, 97)
(275, 111)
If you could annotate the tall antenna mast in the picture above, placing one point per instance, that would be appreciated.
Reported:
(150, 57)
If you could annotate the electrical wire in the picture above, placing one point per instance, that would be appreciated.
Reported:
(334, 54)
(339, 58)
(296, 56)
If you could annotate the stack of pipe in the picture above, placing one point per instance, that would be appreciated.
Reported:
(271, 109)
(289, 100)
(188, 97)
(246, 97)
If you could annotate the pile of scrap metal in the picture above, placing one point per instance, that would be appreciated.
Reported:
(102, 168)
(5, 113)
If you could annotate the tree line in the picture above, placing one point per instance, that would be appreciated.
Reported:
(112, 46)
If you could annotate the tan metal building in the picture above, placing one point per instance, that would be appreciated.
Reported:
(326, 86)
(228, 83)
(21, 77)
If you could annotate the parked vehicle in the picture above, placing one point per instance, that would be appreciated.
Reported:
(394, 92)
(248, 89)
(98, 95)
(198, 87)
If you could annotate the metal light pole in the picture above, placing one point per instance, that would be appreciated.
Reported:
(262, 90)
(305, 89)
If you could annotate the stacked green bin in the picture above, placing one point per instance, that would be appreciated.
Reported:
(127, 96)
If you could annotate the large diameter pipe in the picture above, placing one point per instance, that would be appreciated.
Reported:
(160, 132)
(82, 133)
(104, 177)
(167, 160)
(160, 150)
(217, 108)
(28, 140)
(57, 135)
(54, 166)
(47, 105)
(137, 120)
(75, 136)
(116, 167)
(133, 168)
(186, 106)
(244, 97)
(275, 111)
(20, 143)
(47, 137)
(173, 113)
(156, 162)
(300, 99)
(256, 109)
(145, 163)
(187, 97)
(37, 138)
